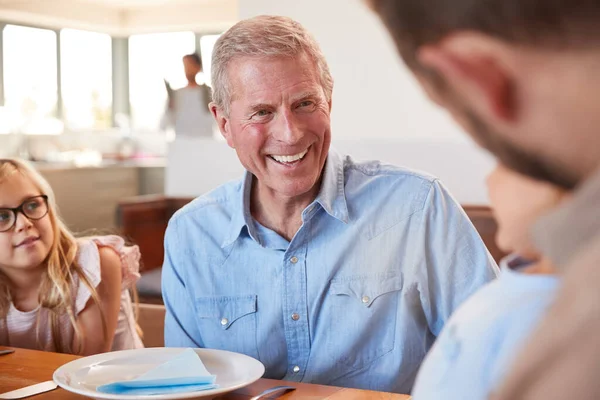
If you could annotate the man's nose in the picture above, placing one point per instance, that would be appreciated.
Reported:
(288, 129)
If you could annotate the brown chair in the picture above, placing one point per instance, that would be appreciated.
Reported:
(143, 220)
(151, 319)
(486, 225)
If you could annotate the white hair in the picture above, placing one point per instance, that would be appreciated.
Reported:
(264, 36)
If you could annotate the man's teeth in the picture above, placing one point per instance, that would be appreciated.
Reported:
(289, 159)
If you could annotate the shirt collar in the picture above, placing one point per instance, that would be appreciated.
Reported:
(241, 217)
(331, 197)
(560, 234)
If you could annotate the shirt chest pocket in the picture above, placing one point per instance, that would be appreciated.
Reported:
(362, 318)
(228, 323)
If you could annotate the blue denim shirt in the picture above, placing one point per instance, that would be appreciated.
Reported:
(383, 257)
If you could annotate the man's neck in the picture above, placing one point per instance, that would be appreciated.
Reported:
(281, 214)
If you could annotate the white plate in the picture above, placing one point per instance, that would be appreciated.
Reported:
(82, 376)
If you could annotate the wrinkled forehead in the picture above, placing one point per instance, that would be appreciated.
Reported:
(251, 77)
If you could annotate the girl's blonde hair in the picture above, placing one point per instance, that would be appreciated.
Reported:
(56, 289)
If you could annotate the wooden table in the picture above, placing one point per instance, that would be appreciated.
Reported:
(27, 367)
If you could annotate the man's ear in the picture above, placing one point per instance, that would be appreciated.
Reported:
(222, 122)
(474, 68)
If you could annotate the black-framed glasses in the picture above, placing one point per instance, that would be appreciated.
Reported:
(33, 208)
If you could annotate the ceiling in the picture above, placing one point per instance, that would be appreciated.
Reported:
(126, 4)
(123, 17)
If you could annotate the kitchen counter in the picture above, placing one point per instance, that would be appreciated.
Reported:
(157, 162)
(87, 197)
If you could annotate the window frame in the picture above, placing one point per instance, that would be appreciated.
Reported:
(120, 70)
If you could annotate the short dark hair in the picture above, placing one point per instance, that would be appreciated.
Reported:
(195, 57)
(550, 23)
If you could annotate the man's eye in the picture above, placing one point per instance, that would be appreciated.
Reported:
(306, 105)
(261, 114)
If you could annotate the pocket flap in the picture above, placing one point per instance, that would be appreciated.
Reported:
(366, 288)
(225, 310)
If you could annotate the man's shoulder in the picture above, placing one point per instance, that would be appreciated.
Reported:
(216, 204)
(496, 303)
(380, 169)
(376, 179)
(387, 177)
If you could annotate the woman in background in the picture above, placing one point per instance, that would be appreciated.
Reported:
(187, 108)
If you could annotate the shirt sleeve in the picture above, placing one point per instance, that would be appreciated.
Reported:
(89, 261)
(129, 256)
(181, 327)
(452, 261)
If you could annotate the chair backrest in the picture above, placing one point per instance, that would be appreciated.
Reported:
(143, 220)
(485, 223)
(152, 321)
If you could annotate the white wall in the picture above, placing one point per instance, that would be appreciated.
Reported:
(379, 112)
(374, 95)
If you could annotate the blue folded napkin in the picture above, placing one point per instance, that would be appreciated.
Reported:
(183, 373)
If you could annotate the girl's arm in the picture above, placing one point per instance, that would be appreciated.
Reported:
(89, 319)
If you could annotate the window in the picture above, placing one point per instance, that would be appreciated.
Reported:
(86, 79)
(154, 59)
(30, 74)
(207, 43)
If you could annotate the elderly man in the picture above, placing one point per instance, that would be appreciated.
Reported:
(522, 77)
(326, 269)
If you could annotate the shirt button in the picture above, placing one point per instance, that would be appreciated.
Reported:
(224, 321)
(295, 317)
(296, 369)
(365, 299)
(294, 260)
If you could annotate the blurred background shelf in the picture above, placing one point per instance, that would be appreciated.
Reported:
(87, 197)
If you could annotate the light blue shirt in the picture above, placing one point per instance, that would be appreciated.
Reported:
(477, 347)
(383, 257)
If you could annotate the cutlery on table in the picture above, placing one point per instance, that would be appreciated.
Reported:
(272, 390)
(29, 390)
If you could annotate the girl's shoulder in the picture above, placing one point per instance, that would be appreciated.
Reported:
(88, 257)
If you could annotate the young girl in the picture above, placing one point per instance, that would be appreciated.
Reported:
(58, 293)
(476, 347)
